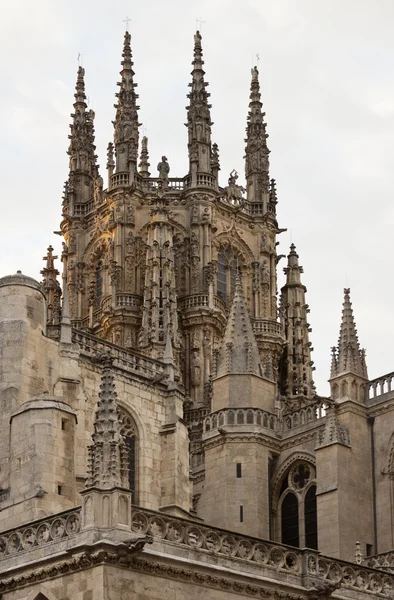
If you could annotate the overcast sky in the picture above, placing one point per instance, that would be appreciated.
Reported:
(327, 78)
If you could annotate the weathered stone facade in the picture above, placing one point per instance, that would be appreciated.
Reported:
(161, 435)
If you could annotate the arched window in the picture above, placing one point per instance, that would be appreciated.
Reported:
(290, 525)
(296, 496)
(99, 283)
(227, 271)
(310, 509)
(130, 434)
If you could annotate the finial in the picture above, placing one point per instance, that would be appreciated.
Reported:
(79, 95)
(144, 160)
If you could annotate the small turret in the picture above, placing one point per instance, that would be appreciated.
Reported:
(107, 497)
(239, 352)
(256, 151)
(348, 367)
(240, 379)
(198, 117)
(126, 120)
(296, 376)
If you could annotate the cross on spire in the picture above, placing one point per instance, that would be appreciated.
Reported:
(127, 21)
(199, 23)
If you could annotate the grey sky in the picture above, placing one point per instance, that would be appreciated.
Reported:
(326, 70)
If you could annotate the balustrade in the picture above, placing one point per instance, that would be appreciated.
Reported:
(219, 542)
(120, 179)
(128, 301)
(381, 385)
(267, 326)
(126, 359)
(40, 532)
(231, 417)
(304, 415)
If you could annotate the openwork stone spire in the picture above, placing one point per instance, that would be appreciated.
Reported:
(126, 119)
(298, 366)
(82, 149)
(256, 151)
(348, 357)
(144, 160)
(198, 116)
(108, 455)
(239, 353)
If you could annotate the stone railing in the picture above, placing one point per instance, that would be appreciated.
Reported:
(381, 386)
(307, 414)
(267, 326)
(349, 575)
(120, 179)
(215, 541)
(128, 301)
(195, 415)
(201, 301)
(124, 359)
(304, 563)
(230, 417)
(384, 561)
(40, 532)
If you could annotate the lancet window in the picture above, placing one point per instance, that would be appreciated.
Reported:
(297, 510)
(130, 434)
(99, 282)
(228, 265)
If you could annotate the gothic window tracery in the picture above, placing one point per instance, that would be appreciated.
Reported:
(297, 522)
(228, 265)
(130, 433)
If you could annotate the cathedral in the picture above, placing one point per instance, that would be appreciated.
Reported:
(161, 436)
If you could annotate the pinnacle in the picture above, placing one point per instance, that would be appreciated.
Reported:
(106, 469)
(348, 356)
(127, 62)
(293, 270)
(80, 95)
(239, 353)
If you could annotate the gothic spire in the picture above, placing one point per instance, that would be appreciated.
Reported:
(296, 377)
(348, 357)
(108, 455)
(126, 119)
(82, 149)
(256, 151)
(198, 117)
(144, 159)
(239, 353)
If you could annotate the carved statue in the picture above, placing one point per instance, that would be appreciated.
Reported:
(234, 192)
(164, 168)
(195, 369)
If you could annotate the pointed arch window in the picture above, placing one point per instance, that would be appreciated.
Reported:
(290, 520)
(297, 523)
(130, 433)
(227, 271)
(310, 509)
(99, 282)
